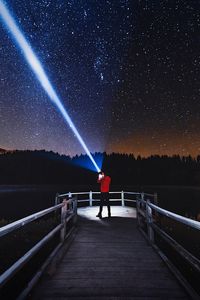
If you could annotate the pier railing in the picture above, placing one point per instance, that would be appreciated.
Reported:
(149, 217)
(67, 210)
(92, 198)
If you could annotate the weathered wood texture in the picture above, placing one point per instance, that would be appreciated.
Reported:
(109, 259)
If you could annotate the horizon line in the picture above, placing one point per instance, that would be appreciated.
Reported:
(98, 152)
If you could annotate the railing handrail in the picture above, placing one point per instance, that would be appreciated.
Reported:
(149, 226)
(147, 194)
(176, 217)
(89, 196)
(24, 259)
(67, 213)
(97, 193)
(133, 193)
(73, 193)
(19, 223)
(87, 193)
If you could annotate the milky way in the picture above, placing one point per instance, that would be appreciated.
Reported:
(127, 71)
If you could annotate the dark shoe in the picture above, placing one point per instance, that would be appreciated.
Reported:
(99, 216)
(109, 215)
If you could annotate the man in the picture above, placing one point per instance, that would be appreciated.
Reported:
(104, 181)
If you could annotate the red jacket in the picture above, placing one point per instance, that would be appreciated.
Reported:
(105, 184)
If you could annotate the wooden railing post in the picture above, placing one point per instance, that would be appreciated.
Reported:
(149, 219)
(142, 195)
(75, 209)
(137, 210)
(122, 196)
(155, 197)
(155, 201)
(56, 212)
(63, 215)
(142, 205)
(90, 198)
(56, 198)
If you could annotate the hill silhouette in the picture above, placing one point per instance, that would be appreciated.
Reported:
(42, 167)
(3, 150)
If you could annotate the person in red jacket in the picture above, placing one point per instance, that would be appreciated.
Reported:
(104, 181)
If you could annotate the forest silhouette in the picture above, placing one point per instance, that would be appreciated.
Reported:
(42, 167)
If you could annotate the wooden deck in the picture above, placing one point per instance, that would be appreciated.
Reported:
(110, 259)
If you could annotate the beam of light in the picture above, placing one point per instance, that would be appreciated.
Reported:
(38, 70)
(83, 161)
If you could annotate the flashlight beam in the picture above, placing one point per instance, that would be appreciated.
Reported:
(38, 69)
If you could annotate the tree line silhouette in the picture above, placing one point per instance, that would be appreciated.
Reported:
(42, 167)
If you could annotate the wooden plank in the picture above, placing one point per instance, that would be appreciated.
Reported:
(49, 297)
(70, 270)
(115, 282)
(95, 292)
(110, 259)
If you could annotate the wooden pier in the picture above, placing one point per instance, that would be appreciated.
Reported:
(110, 259)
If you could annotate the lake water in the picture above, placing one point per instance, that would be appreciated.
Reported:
(19, 201)
(181, 200)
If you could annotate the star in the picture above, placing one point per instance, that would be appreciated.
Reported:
(126, 71)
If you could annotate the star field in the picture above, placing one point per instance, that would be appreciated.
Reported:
(126, 71)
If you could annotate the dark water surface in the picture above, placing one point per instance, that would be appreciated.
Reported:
(19, 201)
(181, 200)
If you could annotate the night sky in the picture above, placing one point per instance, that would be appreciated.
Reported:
(128, 73)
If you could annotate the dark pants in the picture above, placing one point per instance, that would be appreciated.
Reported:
(104, 200)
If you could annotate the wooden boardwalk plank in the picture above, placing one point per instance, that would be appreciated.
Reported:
(109, 259)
